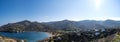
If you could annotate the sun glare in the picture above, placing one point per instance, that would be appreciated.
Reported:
(98, 3)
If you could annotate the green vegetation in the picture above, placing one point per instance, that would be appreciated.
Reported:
(84, 36)
(117, 37)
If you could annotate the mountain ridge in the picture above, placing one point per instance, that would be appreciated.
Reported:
(27, 25)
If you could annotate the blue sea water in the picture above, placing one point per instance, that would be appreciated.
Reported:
(29, 36)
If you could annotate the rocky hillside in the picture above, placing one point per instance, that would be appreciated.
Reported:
(59, 25)
(24, 26)
(85, 24)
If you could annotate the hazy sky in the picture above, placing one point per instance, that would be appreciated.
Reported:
(55, 10)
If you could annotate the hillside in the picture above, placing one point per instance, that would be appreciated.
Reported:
(59, 25)
(85, 24)
(24, 26)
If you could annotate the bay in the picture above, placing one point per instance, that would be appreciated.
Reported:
(29, 36)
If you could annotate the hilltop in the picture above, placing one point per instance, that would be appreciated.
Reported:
(27, 25)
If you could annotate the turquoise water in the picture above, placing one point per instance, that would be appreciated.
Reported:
(29, 36)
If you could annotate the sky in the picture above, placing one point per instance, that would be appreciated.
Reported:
(55, 10)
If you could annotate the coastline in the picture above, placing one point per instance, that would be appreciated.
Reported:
(50, 35)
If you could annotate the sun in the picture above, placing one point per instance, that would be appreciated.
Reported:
(98, 3)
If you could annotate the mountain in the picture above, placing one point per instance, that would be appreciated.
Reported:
(64, 25)
(59, 25)
(90, 24)
(24, 26)
(111, 24)
(85, 24)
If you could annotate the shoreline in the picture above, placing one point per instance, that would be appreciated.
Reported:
(47, 38)
(49, 34)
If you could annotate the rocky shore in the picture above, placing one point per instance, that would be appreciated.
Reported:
(6, 39)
